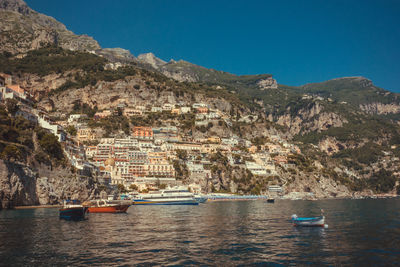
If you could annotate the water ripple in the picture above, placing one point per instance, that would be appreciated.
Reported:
(361, 232)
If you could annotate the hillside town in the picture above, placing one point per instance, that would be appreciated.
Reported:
(147, 157)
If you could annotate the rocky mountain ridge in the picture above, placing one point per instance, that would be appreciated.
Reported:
(23, 29)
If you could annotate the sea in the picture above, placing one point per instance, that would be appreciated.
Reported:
(218, 233)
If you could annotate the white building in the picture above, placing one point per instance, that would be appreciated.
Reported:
(75, 117)
(197, 171)
(255, 168)
(185, 110)
(199, 105)
(230, 141)
(156, 109)
(54, 128)
(168, 107)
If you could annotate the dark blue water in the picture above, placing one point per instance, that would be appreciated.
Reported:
(361, 232)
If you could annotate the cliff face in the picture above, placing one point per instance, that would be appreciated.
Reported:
(132, 90)
(310, 118)
(21, 185)
(17, 185)
(33, 168)
(151, 59)
(268, 83)
(380, 108)
(23, 29)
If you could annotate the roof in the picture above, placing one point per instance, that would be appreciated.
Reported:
(16, 88)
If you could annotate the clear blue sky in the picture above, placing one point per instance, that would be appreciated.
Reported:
(296, 41)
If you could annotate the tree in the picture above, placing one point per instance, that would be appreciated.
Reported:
(181, 154)
(12, 152)
(119, 111)
(102, 187)
(121, 189)
(49, 143)
(7, 54)
(125, 126)
(71, 130)
(12, 106)
(133, 187)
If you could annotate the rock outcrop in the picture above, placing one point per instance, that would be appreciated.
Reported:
(317, 187)
(268, 83)
(310, 118)
(17, 185)
(117, 55)
(152, 60)
(20, 185)
(330, 145)
(23, 29)
(380, 108)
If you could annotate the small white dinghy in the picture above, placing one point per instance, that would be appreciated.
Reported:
(309, 221)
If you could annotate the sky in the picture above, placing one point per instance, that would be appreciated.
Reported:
(298, 42)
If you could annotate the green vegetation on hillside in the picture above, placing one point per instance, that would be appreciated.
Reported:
(17, 140)
(354, 90)
(92, 77)
(112, 124)
(204, 75)
(51, 59)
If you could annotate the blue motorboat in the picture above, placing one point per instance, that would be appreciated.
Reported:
(200, 198)
(308, 221)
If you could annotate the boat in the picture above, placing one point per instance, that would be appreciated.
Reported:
(270, 200)
(308, 221)
(200, 198)
(228, 197)
(72, 210)
(106, 206)
(169, 196)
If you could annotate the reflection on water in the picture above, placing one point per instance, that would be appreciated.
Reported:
(362, 232)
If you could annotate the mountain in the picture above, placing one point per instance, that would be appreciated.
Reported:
(23, 29)
(184, 71)
(357, 91)
(152, 60)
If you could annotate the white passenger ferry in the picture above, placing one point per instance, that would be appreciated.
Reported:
(169, 196)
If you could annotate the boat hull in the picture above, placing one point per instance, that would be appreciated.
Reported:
(309, 222)
(109, 209)
(75, 213)
(201, 199)
(155, 202)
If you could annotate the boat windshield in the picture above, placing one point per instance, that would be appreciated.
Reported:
(307, 219)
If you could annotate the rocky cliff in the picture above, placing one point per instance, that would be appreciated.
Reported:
(152, 60)
(311, 117)
(380, 108)
(23, 29)
(20, 185)
(33, 169)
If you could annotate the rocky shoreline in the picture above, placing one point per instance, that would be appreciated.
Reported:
(23, 185)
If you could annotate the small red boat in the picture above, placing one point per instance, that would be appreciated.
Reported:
(106, 206)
